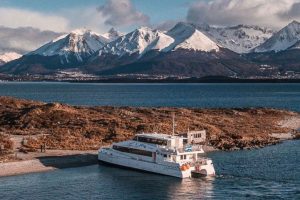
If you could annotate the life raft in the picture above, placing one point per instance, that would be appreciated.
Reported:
(184, 167)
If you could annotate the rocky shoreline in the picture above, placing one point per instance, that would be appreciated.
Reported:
(66, 127)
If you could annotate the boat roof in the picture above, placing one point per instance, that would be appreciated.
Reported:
(158, 136)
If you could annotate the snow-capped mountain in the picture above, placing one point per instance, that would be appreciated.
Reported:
(186, 36)
(240, 39)
(9, 56)
(282, 40)
(185, 50)
(77, 45)
(144, 39)
(138, 42)
(112, 35)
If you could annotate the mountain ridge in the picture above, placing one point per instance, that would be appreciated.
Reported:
(282, 40)
(193, 50)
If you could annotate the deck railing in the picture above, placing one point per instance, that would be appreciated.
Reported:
(186, 148)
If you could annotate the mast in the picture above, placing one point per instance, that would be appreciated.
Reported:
(173, 117)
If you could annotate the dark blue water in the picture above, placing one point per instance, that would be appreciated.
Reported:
(285, 96)
(269, 173)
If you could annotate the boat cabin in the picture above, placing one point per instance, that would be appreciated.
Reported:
(194, 137)
(168, 141)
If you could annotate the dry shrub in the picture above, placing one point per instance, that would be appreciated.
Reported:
(7, 144)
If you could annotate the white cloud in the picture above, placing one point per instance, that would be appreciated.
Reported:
(122, 13)
(88, 18)
(23, 40)
(271, 13)
(12, 17)
(118, 14)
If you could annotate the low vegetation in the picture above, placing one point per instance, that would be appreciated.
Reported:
(62, 126)
(6, 147)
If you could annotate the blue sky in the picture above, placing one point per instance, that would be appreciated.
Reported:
(100, 15)
(157, 10)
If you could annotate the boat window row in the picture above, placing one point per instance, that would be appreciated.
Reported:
(151, 140)
(133, 151)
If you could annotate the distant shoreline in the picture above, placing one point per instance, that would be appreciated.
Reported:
(167, 80)
(192, 81)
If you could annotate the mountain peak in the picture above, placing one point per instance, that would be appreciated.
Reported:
(283, 39)
(81, 31)
(187, 36)
(112, 35)
(180, 26)
(138, 41)
(112, 30)
(77, 45)
(293, 26)
(144, 29)
(294, 22)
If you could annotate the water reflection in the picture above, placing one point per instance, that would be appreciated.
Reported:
(132, 184)
(239, 177)
(192, 189)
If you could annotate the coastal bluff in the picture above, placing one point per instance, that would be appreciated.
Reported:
(65, 127)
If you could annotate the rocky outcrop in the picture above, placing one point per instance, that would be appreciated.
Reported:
(63, 126)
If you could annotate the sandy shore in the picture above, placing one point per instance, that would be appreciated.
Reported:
(291, 122)
(49, 161)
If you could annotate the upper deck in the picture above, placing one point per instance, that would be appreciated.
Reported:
(167, 144)
(158, 136)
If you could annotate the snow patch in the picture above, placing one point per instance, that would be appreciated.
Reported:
(144, 39)
(9, 56)
(240, 39)
(282, 40)
(139, 41)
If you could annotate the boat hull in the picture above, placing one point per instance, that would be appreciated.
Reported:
(107, 157)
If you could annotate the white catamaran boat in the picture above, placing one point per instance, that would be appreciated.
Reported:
(160, 153)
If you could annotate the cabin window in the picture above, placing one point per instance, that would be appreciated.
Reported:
(183, 157)
(152, 140)
(133, 151)
(165, 155)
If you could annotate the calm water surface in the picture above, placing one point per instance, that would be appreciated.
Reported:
(177, 95)
(269, 173)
